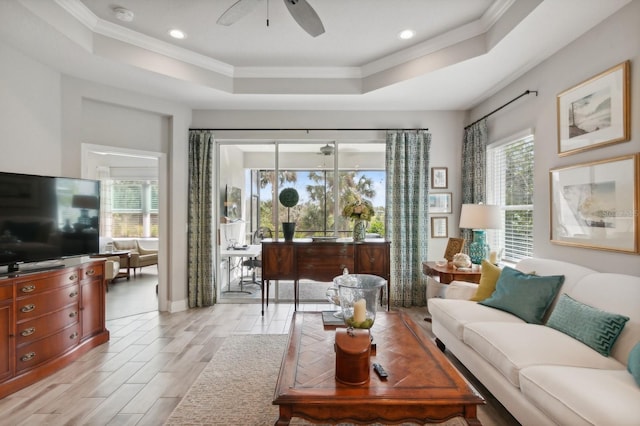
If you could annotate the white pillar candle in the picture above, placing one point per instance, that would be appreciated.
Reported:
(360, 311)
(493, 257)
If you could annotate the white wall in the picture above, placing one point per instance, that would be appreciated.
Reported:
(45, 118)
(610, 43)
(29, 115)
(446, 128)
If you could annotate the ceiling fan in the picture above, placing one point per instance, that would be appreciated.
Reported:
(326, 150)
(300, 10)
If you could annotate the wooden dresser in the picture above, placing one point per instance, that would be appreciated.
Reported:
(322, 261)
(47, 320)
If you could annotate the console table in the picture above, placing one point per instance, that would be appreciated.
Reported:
(322, 261)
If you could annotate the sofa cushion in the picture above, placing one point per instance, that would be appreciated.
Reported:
(509, 347)
(488, 279)
(582, 396)
(593, 327)
(633, 365)
(453, 314)
(527, 296)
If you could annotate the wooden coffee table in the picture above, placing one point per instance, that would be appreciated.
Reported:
(422, 387)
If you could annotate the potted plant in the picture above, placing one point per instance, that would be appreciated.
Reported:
(289, 198)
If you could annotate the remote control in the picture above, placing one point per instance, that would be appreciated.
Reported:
(381, 372)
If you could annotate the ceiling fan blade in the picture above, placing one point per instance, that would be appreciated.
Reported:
(305, 16)
(237, 11)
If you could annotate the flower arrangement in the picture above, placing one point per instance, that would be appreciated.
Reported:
(359, 209)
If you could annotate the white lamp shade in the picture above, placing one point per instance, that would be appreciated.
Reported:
(480, 216)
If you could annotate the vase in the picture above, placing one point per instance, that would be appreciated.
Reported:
(359, 230)
(288, 229)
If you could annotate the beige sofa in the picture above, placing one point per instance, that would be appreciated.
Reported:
(140, 256)
(541, 375)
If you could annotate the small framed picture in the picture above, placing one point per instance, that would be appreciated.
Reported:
(439, 227)
(440, 202)
(439, 178)
(454, 246)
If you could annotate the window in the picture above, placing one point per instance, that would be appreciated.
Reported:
(133, 210)
(314, 214)
(510, 185)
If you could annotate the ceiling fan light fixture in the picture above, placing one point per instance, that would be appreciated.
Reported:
(406, 34)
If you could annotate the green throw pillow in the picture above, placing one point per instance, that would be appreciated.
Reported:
(488, 280)
(633, 365)
(524, 295)
(595, 328)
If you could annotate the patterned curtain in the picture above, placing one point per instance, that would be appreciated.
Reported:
(201, 284)
(474, 152)
(407, 216)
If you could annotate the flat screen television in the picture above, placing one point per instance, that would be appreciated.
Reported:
(44, 218)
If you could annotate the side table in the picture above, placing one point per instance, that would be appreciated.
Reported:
(125, 257)
(446, 274)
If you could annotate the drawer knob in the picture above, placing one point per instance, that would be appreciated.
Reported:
(27, 357)
(73, 293)
(28, 308)
(73, 314)
(28, 288)
(73, 335)
(73, 277)
(28, 332)
(372, 259)
(90, 272)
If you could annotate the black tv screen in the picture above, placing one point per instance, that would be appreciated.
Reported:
(44, 218)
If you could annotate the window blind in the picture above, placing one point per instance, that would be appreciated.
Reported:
(510, 185)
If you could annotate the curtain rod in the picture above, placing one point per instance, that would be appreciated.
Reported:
(308, 130)
(526, 92)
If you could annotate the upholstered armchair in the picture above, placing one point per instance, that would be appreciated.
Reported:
(111, 269)
(140, 256)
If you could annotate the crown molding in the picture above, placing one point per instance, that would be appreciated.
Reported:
(84, 15)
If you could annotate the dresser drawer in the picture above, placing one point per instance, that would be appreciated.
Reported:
(35, 353)
(36, 329)
(30, 287)
(324, 269)
(44, 303)
(92, 271)
(328, 250)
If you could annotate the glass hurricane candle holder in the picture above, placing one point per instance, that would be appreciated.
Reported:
(359, 298)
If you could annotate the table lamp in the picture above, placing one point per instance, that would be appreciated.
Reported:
(479, 217)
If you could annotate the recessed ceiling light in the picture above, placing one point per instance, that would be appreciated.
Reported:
(175, 33)
(407, 34)
(123, 14)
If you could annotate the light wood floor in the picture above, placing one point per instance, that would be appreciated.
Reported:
(141, 374)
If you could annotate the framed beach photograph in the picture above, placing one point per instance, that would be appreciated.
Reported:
(595, 205)
(595, 112)
(439, 178)
(439, 227)
(440, 202)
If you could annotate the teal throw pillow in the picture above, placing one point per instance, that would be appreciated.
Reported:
(633, 364)
(594, 327)
(524, 295)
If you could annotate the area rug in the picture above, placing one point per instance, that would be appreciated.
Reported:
(236, 387)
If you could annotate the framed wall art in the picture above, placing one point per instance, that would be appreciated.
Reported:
(439, 178)
(439, 227)
(454, 246)
(595, 112)
(440, 202)
(595, 205)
